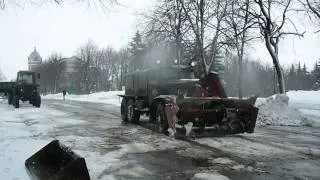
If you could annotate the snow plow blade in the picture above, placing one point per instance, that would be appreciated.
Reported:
(56, 162)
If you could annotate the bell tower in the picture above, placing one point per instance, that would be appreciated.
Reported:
(34, 60)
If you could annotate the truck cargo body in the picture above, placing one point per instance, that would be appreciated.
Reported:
(6, 87)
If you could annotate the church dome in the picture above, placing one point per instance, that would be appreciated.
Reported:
(35, 57)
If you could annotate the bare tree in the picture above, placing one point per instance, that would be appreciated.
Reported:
(166, 22)
(272, 29)
(206, 19)
(51, 73)
(314, 6)
(87, 54)
(104, 4)
(109, 68)
(57, 66)
(240, 22)
(124, 58)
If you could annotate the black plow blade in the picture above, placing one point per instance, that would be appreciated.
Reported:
(56, 162)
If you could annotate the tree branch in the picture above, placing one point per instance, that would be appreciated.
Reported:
(315, 11)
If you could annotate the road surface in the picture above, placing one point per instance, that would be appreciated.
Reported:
(117, 150)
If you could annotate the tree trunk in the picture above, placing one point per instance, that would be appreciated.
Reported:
(276, 63)
(240, 78)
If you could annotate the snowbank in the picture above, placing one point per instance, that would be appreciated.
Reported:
(110, 97)
(209, 176)
(296, 108)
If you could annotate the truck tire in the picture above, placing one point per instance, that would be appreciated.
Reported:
(132, 114)
(124, 115)
(16, 102)
(9, 98)
(37, 103)
(161, 122)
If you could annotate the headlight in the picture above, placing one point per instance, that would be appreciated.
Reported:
(21, 90)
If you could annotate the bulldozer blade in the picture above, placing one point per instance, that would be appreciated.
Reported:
(56, 162)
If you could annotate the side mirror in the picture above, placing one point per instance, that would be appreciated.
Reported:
(38, 75)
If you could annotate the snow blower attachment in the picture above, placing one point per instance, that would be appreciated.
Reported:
(209, 112)
(56, 162)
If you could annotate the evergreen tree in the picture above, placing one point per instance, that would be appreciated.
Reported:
(315, 75)
(292, 78)
(137, 51)
(298, 79)
(306, 83)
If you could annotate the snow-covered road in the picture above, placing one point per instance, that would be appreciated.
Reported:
(114, 150)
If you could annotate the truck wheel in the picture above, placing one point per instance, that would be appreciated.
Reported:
(161, 122)
(132, 114)
(16, 102)
(37, 103)
(9, 99)
(124, 115)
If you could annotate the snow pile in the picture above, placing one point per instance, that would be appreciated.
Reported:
(110, 97)
(137, 148)
(280, 110)
(223, 160)
(137, 171)
(209, 176)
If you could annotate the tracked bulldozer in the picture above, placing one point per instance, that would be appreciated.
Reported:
(56, 162)
(180, 104)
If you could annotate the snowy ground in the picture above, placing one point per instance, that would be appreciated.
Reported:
(303, 108)
(100, 97)
(114, 150)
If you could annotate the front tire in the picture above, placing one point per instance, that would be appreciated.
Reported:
(16, 102)
(37, 103)
(9, 98)
(161, 122)
(132, 114)
(124, 115)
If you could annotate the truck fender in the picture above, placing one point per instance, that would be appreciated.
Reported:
(171, 107)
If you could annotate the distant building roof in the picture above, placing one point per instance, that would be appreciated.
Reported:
(35, 57)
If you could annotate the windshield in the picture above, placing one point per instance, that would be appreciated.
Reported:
(173, 73)
(25, 78)
(186, 74)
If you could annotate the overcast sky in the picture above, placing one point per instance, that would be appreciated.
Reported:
(63, 28)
